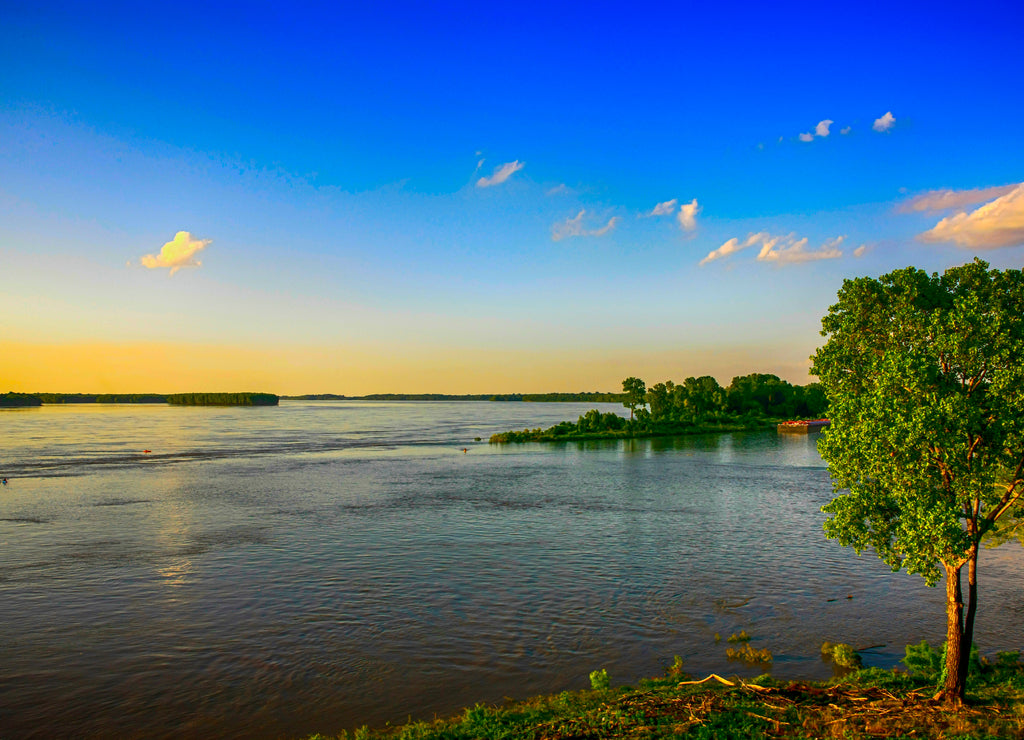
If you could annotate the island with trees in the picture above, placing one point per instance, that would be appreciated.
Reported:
(695, 406)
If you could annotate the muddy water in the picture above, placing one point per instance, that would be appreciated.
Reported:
(317, 566)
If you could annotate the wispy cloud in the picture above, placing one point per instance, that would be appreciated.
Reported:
(806, 137)
(177, 253)
(884, 123)
(500, 174)
(845, 130)
(779, 249)
(790, 250)
(942, 200)
(688, 215)
(860, 251)
(561, 189)
(999, 223)
(732, 246)
(574, 227)
(664, 209)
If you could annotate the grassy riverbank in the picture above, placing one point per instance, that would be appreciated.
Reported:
(568, 431)
(866, 704)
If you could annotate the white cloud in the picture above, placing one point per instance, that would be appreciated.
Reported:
(845, 130)
(820, 130)
(789, 250)
(884, 123)
(999, 223)
(859, 251)
(177, 253)
(780, 249)
(688, 215)
(941, 200)
(574, 227)
(734, 245)
(664, 209)
(501, 174)
(561, 189)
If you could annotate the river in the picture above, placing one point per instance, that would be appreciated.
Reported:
(317, 566)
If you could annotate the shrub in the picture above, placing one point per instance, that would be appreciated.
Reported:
(843, 655)
(676, 669)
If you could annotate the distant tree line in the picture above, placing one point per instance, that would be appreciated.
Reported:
(697, 404)
(102, 397)
(13, 400)
(222, 399)
(177, 399)
(585, 397)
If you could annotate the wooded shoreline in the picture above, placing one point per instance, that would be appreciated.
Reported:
(28, 400)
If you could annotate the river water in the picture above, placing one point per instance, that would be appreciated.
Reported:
(313, 567)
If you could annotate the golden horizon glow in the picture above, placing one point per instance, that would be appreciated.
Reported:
(297, 370)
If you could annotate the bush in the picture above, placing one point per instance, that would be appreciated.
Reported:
(676, 669)
(599, 680)
(843, 655)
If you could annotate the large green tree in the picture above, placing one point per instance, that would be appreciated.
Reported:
(636, 394)
(925, 379)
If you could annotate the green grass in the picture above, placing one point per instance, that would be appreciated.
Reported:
(867, 703)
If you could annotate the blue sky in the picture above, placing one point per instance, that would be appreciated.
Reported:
(459, 198)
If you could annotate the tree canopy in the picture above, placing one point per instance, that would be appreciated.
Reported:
(924, 374)
(636, 394)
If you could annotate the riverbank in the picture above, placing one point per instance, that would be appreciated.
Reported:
(568, 431)
(866, 704)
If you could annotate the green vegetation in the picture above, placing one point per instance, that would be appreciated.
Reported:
(749, 654)
(50, 398)
(636, 394)
(16, 400)
(863, 704)
(924, 376)
(696, 406)
(600, 680)
(178, 399)
(222, 399)
(843, 655)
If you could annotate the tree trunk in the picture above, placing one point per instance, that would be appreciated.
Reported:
(956, 681)
(972, 608)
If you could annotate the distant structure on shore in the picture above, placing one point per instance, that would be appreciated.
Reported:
(803, 427)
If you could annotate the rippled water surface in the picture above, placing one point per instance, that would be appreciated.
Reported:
(274, 572)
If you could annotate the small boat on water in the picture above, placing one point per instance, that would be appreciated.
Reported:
(803, 427)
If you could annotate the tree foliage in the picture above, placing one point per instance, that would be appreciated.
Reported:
(697, 404)
(14, 400)
(924, 376)
(636, 394)
(222, 399)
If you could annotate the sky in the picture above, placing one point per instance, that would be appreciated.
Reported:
(523, 197)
